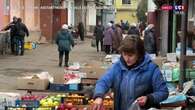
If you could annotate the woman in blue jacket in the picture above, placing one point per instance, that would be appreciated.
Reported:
(133, 78)
(64, 41)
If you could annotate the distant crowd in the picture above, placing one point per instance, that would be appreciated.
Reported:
(111, 35)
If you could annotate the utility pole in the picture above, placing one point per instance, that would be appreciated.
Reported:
(174, 29)
(183, 43)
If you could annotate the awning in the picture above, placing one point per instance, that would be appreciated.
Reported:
(159, 3)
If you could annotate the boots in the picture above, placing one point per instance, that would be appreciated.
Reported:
(60, 62)
(66, 64)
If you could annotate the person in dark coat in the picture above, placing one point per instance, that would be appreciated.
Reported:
(117, 38)
(64, 41)
(142, 26)
(122, 25)
(21, 32)
(107, 40)
(150, 39)
(98, 33)
(113, 26)
(133, 30)
(11, 27)
(134, 78)
(81, 31)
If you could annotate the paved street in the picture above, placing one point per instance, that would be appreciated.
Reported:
(43, 58)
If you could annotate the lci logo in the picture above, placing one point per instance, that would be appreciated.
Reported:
(174, 8)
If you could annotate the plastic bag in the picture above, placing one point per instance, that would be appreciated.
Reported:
(93, 42)
(134, 106)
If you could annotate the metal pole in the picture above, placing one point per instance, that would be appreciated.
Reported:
(174, 30)
(183, 43)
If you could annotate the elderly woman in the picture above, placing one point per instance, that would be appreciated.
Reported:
(133, 78)
(64, 41)
(108, 37)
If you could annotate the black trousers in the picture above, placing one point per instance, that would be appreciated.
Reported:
(107, 49)
(12, 42)
(61, 54)
(81, 36)
(97, 44)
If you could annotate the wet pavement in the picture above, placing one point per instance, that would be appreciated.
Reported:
(43, 58)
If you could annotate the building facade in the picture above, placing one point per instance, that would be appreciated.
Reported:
(4, 15)
(191, 17)
(126, 10)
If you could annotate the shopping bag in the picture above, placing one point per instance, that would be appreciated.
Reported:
(134, 106)
(93, 42)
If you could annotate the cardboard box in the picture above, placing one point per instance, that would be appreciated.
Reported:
(93, 71)
(34, 84)
(59, 78)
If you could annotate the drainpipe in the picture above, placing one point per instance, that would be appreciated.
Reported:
(183, 44)
(174, 30)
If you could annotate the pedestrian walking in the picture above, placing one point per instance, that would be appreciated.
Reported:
(21, 32)
(122, 25)
(81, 31)
(150, 39)
(113, 26)
(11, 27)
(64, 41)
(98, 33)
(133, 78)
(133, 30)
(117, 38)
(107, 40)
(127, 26)
(142, 26)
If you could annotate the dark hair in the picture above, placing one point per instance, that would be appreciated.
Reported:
(19, 20)
(132, 44)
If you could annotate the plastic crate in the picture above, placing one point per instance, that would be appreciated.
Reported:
(74, 87)
(190, 74)
(65, 87)
(27, 103)
(28, 45)
(58, 87)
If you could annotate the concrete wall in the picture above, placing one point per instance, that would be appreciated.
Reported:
(25, 9)
(29, 14)
(78, 12)
(15, 8)
(164, 15)
(126, 15)
(91, 14)
(108, 15)
(126, 12)
(1, 14)
(71, 13)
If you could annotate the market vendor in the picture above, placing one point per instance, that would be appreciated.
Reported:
(133, 78)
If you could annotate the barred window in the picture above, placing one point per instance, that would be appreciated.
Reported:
(126, 1)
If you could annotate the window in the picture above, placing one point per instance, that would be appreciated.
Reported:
(126, 1)
(6, 7)
(57, 2)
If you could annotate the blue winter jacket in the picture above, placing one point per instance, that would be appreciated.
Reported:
(145, 79)
(64, 40)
